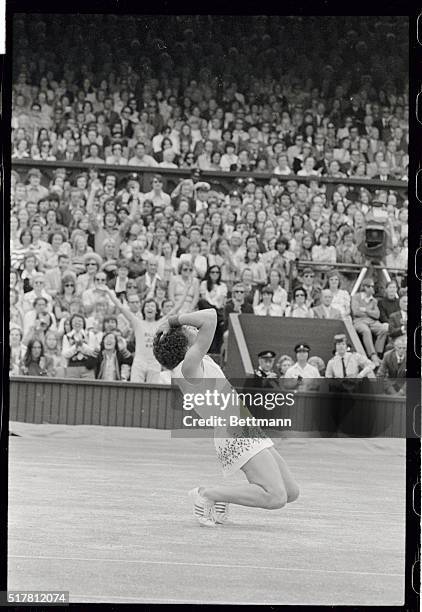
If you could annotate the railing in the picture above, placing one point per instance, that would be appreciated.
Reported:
(172, 176)
(88, 402)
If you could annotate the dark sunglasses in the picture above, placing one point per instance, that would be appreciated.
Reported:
(69, 285)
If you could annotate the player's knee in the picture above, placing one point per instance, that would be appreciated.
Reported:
(293, 494)
(275, 499)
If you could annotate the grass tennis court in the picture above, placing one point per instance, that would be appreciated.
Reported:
(102, 512)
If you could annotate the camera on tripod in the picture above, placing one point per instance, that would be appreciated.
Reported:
(376, 238)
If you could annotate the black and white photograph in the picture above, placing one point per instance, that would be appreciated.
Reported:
(208, 335)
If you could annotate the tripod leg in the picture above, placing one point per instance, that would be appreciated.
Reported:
(386, 275)
(359, 279)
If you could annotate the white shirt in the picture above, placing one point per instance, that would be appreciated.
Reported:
(309, 371)
(274, 310)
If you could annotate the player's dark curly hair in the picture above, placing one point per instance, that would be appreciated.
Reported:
(170, 348)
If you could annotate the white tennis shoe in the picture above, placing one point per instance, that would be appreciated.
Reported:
(221, 512)
(203, 509)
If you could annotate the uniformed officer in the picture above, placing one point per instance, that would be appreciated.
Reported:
(302, 369)
(348, 364)
(265, 367)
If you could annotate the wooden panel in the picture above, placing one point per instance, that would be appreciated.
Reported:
(63, 401)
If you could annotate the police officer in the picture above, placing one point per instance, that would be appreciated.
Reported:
(346, 363)
(302, 369)
(266, 365)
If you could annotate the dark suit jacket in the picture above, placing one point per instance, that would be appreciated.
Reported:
(63, 157)
(390, 368)
(390, 177)
(246, 308)
(395, 325)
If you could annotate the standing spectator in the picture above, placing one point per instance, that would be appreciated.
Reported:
(80, 349)
(112, 355)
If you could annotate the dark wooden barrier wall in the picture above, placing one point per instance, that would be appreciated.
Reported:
(281, 334)
(81, 402)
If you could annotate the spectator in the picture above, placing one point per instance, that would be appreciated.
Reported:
(366, 316)
(389, 303)
(66, 295)
(79, 349)
(266, 306)
(17, 350)
(184, 288)
(34, 363)
(325, 310)
(298, 307)
(341, 298)
(397, 324)
(393, 367)
(284, 362)
(113, 354)
(53, 355)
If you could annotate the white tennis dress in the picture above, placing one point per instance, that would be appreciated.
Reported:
(244, 442)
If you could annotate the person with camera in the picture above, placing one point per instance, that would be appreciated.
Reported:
(80, 349)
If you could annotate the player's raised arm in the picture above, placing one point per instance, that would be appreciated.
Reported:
(205, 321)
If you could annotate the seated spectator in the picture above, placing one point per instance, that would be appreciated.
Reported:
(397, 323)
(38, 282)
(34, 363)
(325, 310)
(311, 286)
(65, 297)
(393, 367)
(79, 251)
(318, 363)
(389, 303)
(167, 262)
(184, 288)
(195, 259)
(86, 280)
(283, 363)
(341, 298)
(298, 307)
(322, 252)
(17, 350)
(140, 157)
(366, 316)
(279, 296)
(91, 296)
(15, 312)
(213, 292)
(266, 306)
(252, 262)
(53, 354)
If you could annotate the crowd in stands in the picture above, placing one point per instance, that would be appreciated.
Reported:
(98, 258)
